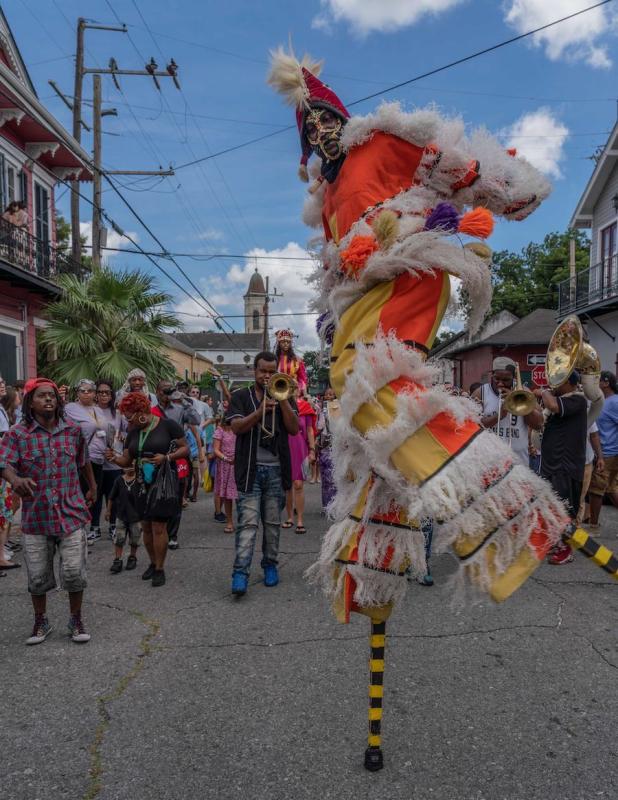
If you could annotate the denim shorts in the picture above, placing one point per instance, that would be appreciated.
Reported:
(127, 530)
(39, 554)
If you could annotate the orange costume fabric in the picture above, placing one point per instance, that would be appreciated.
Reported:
(364, 556)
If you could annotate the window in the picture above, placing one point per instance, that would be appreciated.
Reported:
(608, 257)
(3, 193)
(41, 212)
(10, 185)
(256, 320)
(10, 354)
(23, 186)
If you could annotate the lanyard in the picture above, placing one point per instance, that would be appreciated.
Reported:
(143, 435)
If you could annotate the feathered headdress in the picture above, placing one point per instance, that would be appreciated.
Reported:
(297, 81)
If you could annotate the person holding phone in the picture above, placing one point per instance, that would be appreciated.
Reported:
(150, 442)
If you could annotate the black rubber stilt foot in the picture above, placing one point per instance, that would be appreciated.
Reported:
(374, 760)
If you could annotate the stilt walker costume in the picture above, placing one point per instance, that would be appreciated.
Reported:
(391, 190)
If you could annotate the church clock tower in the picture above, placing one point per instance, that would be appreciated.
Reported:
(255, 299)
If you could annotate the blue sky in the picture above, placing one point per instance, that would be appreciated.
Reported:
(557, 94)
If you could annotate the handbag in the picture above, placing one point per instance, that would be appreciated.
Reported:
(163, 497)
(207, 482)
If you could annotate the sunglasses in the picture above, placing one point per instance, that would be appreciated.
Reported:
(103, 391)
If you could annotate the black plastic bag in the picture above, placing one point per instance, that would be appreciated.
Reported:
(164, 496)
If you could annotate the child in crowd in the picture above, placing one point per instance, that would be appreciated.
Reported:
(194, 453)
(212, 468)
(127, 519)
(225, 483)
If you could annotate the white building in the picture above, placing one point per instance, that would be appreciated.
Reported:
(593, 296)
(233, 353)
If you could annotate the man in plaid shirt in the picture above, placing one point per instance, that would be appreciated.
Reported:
(42, 458)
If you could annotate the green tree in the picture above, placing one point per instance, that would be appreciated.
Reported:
(317, 372)
(528, 280)
(107, 325)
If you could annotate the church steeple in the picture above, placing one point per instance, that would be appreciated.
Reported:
(255, 299)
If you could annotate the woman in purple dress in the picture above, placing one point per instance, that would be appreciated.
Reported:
(302, 455)
(324, 442)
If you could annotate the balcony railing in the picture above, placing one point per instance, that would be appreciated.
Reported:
(589, 287)
(21, 249)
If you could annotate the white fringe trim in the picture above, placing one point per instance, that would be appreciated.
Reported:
(457, 497)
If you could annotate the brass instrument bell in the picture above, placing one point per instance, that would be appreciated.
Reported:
(568, 351)
(280, 387)
(519, 401)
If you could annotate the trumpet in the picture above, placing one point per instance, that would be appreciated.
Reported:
(519, 401)
(280, 387)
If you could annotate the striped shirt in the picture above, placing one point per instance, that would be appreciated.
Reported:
(52, 459)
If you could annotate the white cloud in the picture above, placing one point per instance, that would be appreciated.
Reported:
(386, 16)
(211, 235)
(113, 239)
(575, 40)
(539, 137)
(288, 277)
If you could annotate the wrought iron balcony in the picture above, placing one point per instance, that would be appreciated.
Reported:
(592, 287)
(19, 248)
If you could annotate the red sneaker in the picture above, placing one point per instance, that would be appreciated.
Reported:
(561, 554)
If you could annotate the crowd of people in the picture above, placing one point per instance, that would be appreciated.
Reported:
(72, 455)
(555, 439)
(69, 456)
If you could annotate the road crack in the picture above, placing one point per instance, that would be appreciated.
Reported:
(95, 783)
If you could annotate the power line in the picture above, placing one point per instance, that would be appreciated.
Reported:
(209, 256)
(399, 85)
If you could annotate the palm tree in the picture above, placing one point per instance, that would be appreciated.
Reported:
(106, 325)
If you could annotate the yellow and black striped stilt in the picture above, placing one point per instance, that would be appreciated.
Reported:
(578, 539)
(373, 754)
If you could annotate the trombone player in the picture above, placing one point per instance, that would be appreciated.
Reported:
(499, 414)
(261, 416)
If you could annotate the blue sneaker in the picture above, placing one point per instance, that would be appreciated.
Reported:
(271, 576)
(426, 580)
(239, 583)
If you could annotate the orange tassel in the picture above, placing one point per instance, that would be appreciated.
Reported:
(355, 256)
(478, 223)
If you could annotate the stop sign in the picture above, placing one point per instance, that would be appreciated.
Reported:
(539, 376)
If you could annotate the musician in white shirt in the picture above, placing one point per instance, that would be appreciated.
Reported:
(513, 429)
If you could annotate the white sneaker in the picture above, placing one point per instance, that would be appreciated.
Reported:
(77, 631)
(40, 631)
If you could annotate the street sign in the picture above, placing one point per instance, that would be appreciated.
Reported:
(539, 376)
(536, 359)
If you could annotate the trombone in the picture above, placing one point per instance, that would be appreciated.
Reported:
(519, 401)
(280, 387)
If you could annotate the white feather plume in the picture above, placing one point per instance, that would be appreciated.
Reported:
(286, 75)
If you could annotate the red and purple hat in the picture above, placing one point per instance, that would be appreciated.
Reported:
(297, 81)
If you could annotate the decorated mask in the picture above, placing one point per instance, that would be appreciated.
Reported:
(323, 131)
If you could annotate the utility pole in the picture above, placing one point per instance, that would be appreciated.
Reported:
(150, 70)
(267, 302)
(97, 113)
(76, 245)
(265, 331)
(82, 24)
(572, 271)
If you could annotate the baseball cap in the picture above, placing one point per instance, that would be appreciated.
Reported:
(502, 362)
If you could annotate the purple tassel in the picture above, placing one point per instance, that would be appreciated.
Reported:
(444, 216)
(325, 328)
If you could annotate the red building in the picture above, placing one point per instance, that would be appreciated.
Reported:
(525, 341)
(35, 153)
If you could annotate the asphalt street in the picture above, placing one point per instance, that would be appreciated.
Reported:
(185, 692)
